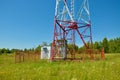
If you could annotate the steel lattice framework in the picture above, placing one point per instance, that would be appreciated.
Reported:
(72, 18)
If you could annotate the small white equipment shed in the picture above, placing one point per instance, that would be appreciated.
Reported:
(45, 52)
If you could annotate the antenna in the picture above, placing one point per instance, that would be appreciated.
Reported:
(70, 25)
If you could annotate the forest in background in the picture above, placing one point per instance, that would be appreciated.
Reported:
(110, 46)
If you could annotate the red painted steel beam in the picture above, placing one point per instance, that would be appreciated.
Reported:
(82, 39)
(60, 26)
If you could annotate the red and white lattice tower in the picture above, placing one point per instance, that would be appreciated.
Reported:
(72, 20)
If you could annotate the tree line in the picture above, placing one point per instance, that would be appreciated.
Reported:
(10, 51)
(110, 46)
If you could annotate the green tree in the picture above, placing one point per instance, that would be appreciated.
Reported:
(38, 48)
(72, 48)
(26, 50)
(8, 51)
(112, 46)
(14, 50)
(3, 50)
(96, 45)
(105, 45)
(32, 49)
(0, 51)
(117, 44)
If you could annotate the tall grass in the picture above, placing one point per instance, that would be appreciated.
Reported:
(109, 69)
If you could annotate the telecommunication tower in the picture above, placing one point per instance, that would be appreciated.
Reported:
(72, 20)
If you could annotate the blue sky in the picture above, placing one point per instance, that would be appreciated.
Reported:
(28, 23)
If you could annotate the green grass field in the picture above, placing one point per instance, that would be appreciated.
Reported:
(109, 69)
